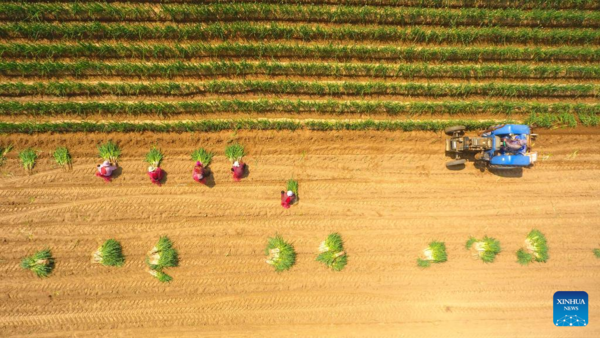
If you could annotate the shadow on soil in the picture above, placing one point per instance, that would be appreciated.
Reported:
(164, 177)
(246, 171)
(209, 178)
(510, 173)
(116, 173)
(482, 166)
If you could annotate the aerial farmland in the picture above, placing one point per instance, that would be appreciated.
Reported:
(206, 168)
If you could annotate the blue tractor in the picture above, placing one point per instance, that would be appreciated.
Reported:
(505, 146)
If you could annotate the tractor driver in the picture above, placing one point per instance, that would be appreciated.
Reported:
(513, 144)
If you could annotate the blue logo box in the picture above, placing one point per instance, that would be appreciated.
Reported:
(571, 308)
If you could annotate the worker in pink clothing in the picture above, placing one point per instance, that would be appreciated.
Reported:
(105, 170)
(238, 170)
(198, 173)
(156, 174)
(287, 199)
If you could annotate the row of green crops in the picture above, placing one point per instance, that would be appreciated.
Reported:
(296, 51)
(110, 253)
(561, 119)
(305, 32)
(508, 108)
(282, 256)
(29, 156)
(110, 151)
(523, 4)
(288, 87)
(487, 248)
(83, 69)
(542, 120)
(119, 12)
(220, 125)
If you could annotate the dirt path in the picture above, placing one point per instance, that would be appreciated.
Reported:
(386, 193)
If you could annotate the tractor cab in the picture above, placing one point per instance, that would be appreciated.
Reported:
(501, 147)
(511, 146)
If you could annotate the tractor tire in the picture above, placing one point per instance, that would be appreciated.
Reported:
(450, 131)
(456, 163)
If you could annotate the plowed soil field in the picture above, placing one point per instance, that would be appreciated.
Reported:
(387, 194)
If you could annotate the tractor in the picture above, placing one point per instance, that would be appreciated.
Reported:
(500, 147)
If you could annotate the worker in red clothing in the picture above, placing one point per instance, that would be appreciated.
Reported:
(105, 170)
(237, 170)
(287, 199)
(198, 173)
(156, 174)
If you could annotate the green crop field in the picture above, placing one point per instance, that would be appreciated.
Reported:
(277, 167)
(214, 65)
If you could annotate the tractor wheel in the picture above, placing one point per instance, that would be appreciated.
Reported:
(456, 163)
(450, 131)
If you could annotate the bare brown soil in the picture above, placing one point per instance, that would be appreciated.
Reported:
(387, 193)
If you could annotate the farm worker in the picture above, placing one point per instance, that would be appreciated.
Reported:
(105, 170)
(198, 173)
(238, 170)
(287, 199)
(514, 144)
(156, 174)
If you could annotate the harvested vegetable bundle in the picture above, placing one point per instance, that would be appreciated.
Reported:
(332, 252)
(163, 255)
(486, 248)
(536, 249)
(3, 152)
(292, 186)
(62, 157)
(203, 156)
(161, 276)
(280, 254)
(109, 254)
(41, 263)
(234, 152)
(434, 253)
(28, 157)
(154, 157)
(109, 151)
